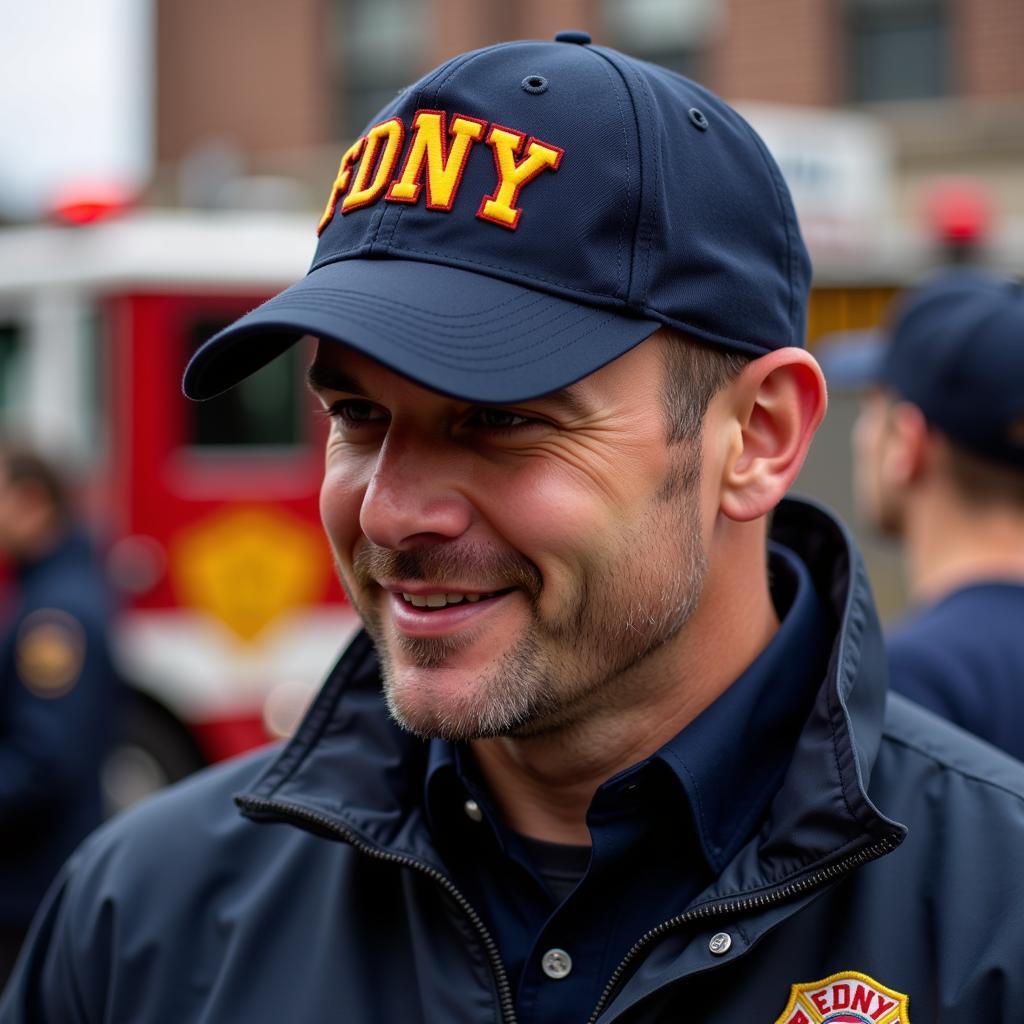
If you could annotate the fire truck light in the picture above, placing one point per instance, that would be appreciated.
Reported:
(89, 202)
(959, 210)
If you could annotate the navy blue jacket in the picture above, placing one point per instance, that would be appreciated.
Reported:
(963, 658)
(889, 865)
(57, 708)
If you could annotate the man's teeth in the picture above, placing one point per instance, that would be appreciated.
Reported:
(441, 600)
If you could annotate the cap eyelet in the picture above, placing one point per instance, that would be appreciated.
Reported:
(698, 119)
(534, 84)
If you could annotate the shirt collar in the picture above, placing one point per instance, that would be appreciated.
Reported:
(730, 760)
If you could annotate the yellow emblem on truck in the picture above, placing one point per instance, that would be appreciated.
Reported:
(845, 998)
(249, 566)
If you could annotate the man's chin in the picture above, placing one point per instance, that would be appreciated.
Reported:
(464, 698)
(457, 722)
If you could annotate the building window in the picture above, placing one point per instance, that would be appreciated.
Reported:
(378, 48)
(12, 376)
(897, 50)
(263, 411)
(672, 33)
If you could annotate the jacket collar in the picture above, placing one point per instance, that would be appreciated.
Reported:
(350, 764)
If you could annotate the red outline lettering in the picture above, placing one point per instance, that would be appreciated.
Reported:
(517, 188)
(373, 161)
(424, 165)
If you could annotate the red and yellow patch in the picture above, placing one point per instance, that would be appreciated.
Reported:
(845, 998)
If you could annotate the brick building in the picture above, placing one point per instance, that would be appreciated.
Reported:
(260, 87)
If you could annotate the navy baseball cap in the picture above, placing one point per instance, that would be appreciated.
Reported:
(955, 349)
(528, 212)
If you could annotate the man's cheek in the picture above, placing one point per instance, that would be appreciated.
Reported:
(340, 502)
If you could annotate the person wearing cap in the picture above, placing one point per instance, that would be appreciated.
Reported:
(605, 750)
(939, 464)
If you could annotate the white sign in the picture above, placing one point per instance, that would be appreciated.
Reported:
(839, 168)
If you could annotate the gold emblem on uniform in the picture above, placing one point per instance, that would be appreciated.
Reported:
(845, 998)
(49, 652)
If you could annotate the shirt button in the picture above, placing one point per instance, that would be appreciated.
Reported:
(720, 943)
(473, 812)
(556, 963)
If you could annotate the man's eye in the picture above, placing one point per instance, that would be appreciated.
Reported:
(355, 412)
(498, 419)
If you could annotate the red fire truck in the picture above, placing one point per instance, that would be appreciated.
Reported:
(207, 512)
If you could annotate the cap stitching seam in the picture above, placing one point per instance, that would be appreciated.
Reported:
(645, 311)
(625, 148)
(428, 346)
(448, 262)
(471, 344)
(640, 231)
(400, 340)
(645, 225)
(445, 318)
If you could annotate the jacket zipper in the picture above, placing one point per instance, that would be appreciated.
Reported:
(760, 902)
(256, 804)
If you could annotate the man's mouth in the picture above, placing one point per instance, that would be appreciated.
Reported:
(446, 600)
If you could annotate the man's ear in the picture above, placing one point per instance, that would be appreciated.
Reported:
(906, 449)
(773, 409)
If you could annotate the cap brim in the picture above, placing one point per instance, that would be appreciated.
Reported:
(851, 359)
(451, 330)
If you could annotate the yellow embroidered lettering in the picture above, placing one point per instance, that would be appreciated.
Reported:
(506, 144)
(429, 153)
(383, 145)
(348, 161)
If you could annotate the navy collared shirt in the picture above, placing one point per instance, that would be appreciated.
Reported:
(961, 657)
(661, 831)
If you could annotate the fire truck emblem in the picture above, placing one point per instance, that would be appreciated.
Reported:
(845, 998)
(247, 567)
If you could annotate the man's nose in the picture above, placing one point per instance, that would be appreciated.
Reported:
(412, 497)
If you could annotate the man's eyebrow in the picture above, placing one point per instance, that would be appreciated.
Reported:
(569, 400)
(320, 378)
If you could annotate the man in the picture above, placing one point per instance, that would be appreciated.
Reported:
(56, 689)
(624, 773)
(939, 464)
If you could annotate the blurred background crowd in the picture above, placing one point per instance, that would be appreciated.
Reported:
(163, 165)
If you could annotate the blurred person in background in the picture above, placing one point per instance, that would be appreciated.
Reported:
(939, 465)
(57, 689)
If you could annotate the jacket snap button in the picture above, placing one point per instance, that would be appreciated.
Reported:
(720, 943)
(473, 812)
(556, 963)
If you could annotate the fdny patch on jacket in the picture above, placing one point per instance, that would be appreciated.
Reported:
(845, 998)
(50, 652)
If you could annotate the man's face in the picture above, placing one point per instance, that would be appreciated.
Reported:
(878, 499)
(516, 566)
(21, 514)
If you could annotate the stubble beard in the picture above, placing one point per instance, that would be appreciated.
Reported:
(557, 670)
